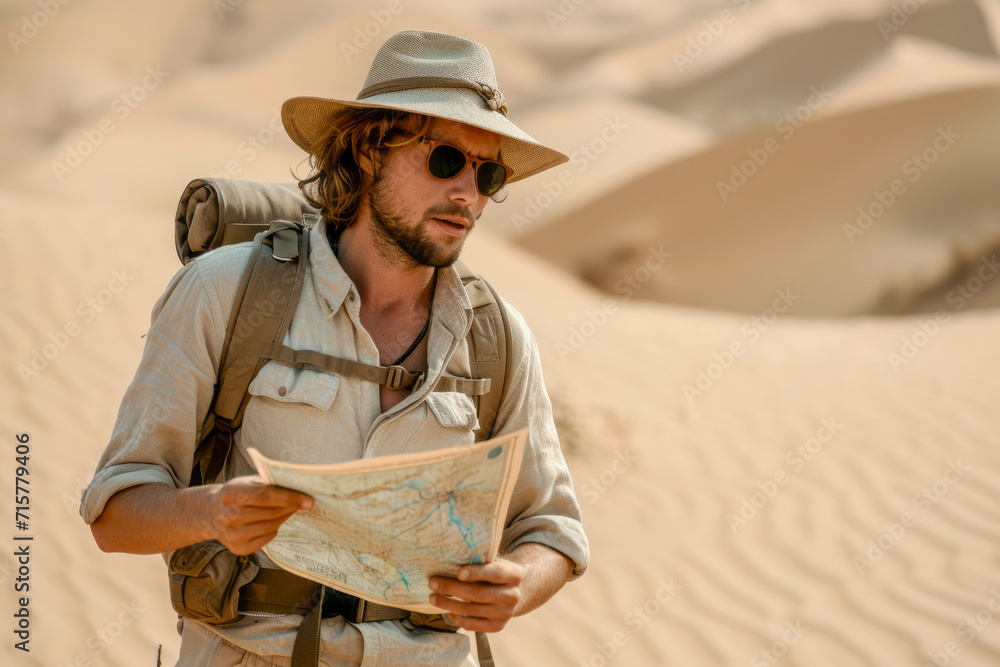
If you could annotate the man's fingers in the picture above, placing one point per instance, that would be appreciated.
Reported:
(249, 546)
(248, 515)
(476, 624)
(274, 496)
(478, 592)
(483, 598)
(473, 617)
(249, 512)
(248, 538)
(255, 493)
(497, 572)
(470, 609)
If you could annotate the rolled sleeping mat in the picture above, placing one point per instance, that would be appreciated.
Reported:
(214, 212)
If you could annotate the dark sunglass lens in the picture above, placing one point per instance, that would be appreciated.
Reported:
(446, 161)
(490, 177)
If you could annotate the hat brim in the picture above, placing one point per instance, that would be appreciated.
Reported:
(306, 119)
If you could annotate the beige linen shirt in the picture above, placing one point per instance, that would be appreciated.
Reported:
(312, 416)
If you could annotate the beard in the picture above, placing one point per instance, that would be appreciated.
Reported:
(407, 244)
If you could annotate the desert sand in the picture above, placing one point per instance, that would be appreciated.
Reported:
(780, 411)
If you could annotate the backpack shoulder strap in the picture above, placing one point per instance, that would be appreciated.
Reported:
(263, 310)
(489, 343)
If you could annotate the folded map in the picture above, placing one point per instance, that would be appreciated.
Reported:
(381, 526)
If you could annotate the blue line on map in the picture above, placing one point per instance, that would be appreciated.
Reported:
(417, 524)
(464, 530)
(390, 584)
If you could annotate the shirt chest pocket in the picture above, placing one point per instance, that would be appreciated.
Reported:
(451, 408)
(287, 384)
(444, 419)
(288, 416)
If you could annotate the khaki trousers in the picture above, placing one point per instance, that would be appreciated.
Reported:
(200, 651)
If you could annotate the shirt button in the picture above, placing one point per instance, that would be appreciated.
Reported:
(282, 391)
(350, 296)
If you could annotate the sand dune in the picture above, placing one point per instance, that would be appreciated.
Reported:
(745, 456)
(794, 557)
(763, 53)
(710, 207)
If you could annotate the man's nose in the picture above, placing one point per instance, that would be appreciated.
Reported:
(464, 185)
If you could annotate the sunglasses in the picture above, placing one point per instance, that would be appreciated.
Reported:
(445, 161)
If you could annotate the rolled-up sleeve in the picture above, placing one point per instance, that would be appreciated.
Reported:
(164, 407)
(544, 507)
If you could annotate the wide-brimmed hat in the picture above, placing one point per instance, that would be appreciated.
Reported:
(433, 74)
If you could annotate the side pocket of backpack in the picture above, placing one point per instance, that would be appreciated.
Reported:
(205, 582)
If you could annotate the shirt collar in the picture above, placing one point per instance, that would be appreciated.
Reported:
(331, 281)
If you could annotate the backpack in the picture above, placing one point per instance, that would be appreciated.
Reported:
(276, 217)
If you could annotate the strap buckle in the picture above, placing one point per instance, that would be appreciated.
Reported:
(396, 378)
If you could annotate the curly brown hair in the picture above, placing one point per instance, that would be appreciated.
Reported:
(336, 183)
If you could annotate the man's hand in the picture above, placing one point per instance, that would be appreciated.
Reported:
(245, 513)
(489, 594)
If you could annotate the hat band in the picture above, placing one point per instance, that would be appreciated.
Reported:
(494, 98)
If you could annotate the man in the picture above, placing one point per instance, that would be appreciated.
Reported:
(401, 175)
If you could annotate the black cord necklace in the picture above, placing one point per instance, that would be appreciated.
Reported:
(423, 332)
(334, 243)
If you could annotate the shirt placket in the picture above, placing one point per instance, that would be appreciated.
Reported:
(379, 425)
